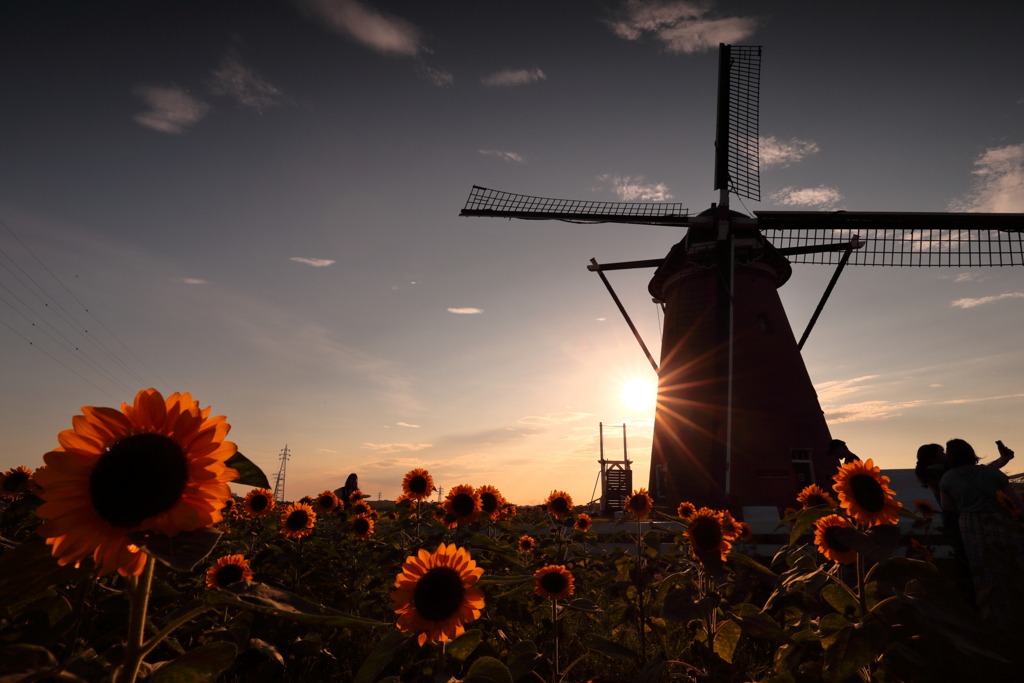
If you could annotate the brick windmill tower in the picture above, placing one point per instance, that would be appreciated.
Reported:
(737, 421)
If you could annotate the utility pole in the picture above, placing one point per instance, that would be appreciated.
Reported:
(279, 484)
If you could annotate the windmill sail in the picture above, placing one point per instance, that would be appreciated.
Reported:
(495, 203)
(736, 145)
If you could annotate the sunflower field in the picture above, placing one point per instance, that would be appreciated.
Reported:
(125, 558)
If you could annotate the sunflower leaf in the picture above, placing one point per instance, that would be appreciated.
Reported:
(201, 665)
(492, 580)
(249, 473)
(726, 638)
(876, 545)
(740, 558)
(609, 648)
(182, 551)
(30, 568)
(268, 600)
(462, 647)
(381, 656)
(489, 669)
(909, 514)
(522, 659)
(805, 521)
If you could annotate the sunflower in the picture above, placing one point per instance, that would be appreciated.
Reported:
(464, 502)
(828, 544)
(508, 511)
(730, 527)
(326, 502)
(355, 497)
(553, 582)
(926, 509)
(686, 510)
(526, 544)
(639, 504)
(258, 503)
(746, 532)
(417, 485)
(227, 570)
(306, 500)
(297, 520)
(436, 595)
(14, 481)
(583, 523)
(362, 527)
(814, 495)
(559, 504)
(865, 493)
(705, 533)
(157, 465)
(1006, 504)
(33, 483)
(360, 507)
(491, 501)
(916, 546)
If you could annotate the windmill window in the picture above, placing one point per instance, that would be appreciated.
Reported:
(801, 458)
(765, 324)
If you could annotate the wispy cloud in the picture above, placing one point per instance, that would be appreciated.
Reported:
(193, 281)
(680, 25)
(325, 450)
(971, 303)
(439, 77)
(999, 183)
(232, 78)
(377, 31)
(171, 109)
(396, 447)
(966, 277)
(782, 153)
(507, 156)
(822, 197)
(465, 311)
(511, 77)
(406, 424)
(553, 418)
(315, 262)
(869, 410)
(633, 188)
(830, 391)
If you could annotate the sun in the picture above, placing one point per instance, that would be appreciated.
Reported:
(639, 394)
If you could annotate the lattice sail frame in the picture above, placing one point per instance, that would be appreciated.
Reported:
(483, 201)
(737, 158)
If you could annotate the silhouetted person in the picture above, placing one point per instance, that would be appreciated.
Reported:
(351, 485)
(837, 448)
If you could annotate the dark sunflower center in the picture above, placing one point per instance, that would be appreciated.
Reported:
(868, 492)
(582, 524)
(833, 542)
(361, 525)
(326, 502)
(139, 477)
(228, 574)
(259, 503)
(706, 534)
(815, 499)
(14, 481)
(297, 520)
(488, 502)
(638, 503)
(438, 595)
(686, 512)
(526, 545)
(560, 505)
(554, 582)
(450, 517)
(463, 504)
(359, 509)
(418, 485)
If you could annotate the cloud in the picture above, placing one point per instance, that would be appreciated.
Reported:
(325, 450)
(869, 410)
(172, 109)
(681, 25)
(822, 197)
(773, 152)
(830, 391)
(633, 188)
(439, 77)
(966, 277)
(553, 418)
(999, 183)
(507, 156)
(193, 281)
(396, 447)
(404, 424)
(512, 77)
(315, 262)
(971, 303)
(385, 34)
(465, 311)
(234, 79)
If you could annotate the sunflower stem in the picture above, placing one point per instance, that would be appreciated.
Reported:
(640, 589)
(554, 625)
(166, 631)
(138, 596)
(861, 592)
(440, 658)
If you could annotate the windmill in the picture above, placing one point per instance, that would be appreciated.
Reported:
(737, 421)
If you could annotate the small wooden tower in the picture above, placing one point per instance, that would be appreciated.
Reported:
(616, 477)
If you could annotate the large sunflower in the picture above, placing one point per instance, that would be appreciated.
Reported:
(705, 532)
(436, 595)
(227, 570)
(491, 501)
(553, 582)
(526, 544)
(639, 504)
(258, 503)
(326, 502)
(157, 465)
(297, 520)
(14, 481)
(464, 502)
(360, 507)
(583, 523)
(814, 495)
(559, 504)
(417, 485)
(362, 527)
(865, 493)
(828, 544)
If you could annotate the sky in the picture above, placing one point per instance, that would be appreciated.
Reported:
(257, 202)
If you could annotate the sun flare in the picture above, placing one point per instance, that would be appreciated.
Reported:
(639, 394)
